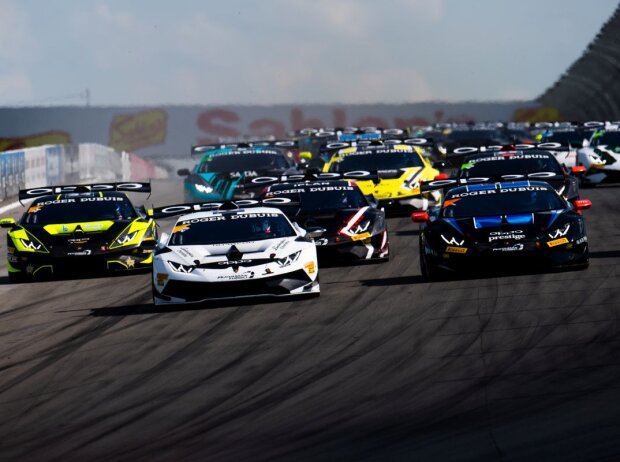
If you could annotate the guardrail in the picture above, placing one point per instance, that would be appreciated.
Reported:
(70, 164)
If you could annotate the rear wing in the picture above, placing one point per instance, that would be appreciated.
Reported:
(201, 150)
(450, 183)
(467, 150)
(133, 186)
(359, 175)
(342, 144)
(192, 207)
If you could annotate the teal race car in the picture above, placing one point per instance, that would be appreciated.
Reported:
(226, 172)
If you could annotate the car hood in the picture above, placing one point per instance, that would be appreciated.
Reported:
(509, 228)
(256, 251)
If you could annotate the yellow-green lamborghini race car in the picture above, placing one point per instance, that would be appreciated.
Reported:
(78, 229)
(400, 169)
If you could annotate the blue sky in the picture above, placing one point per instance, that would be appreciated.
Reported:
(288, 51)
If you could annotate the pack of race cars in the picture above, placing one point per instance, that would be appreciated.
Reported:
(260, 217)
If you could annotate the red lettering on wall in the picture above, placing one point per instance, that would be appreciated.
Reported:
(340, 118)
(298, 121)
(371, 122)
(210, 123)
(267, 127)
(413, 121)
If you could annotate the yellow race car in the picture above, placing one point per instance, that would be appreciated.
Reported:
(396, 171)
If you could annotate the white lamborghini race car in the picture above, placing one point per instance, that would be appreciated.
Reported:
(232, 252)
(601, 157)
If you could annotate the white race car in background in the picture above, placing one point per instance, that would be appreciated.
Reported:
(601, 157)
(232, 252)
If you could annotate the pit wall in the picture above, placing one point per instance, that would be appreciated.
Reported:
(70, 164)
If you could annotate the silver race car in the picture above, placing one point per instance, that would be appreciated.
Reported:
(230, 250)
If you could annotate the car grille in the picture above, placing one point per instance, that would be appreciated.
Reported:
(276, 285)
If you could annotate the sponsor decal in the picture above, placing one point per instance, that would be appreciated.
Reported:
(235, 277)
(180, 228)
(310, 267)
(501, 235)
(129, 132)
(35, 209)
(460, 250)
(449, 202)
(161, 278)
(321, 241)
(581, 240)
(78, 241)
(359, 237)
(556, 242)
(514, 248)
(29, 141)
(83, 253)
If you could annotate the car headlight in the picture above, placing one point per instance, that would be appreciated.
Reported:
(124, 238)
(288, 260)
(32, 245)
(451, 240)
(559, 232)
(180, 268)
(203, 188)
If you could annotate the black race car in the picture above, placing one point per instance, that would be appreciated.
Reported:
(498, 225)
(511, 164)
(73, 229)
(355, 229)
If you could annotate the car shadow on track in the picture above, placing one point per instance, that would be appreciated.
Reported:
(149, 308)
(605, 254)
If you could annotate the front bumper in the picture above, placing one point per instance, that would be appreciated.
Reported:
(487, 258)
(178, 291)
(34, 265)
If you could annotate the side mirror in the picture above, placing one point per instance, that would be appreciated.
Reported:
(586, 143)
(582, 204)
(315, 233)
(163, 240)
(183, 172)
(7, 223)
(439, 164)
(441, 176)
(420, 217)
(578, 169)
(372, 200)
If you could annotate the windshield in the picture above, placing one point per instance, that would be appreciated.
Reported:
(503, 201)
(313, 198)
(377, 161)
(574, 139)
(611, 139)
(231, 228)
(510, 165)
(226, 163)
(81, 209)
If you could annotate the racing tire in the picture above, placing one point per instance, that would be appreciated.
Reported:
(17, 278)
(430, 271)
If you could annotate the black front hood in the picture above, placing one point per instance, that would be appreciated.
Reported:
(331, 220)
(501, 228)
(78, 243)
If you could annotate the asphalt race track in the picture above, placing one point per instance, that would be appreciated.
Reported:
(383, 366)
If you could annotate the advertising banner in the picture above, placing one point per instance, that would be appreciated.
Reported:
(170, 131)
